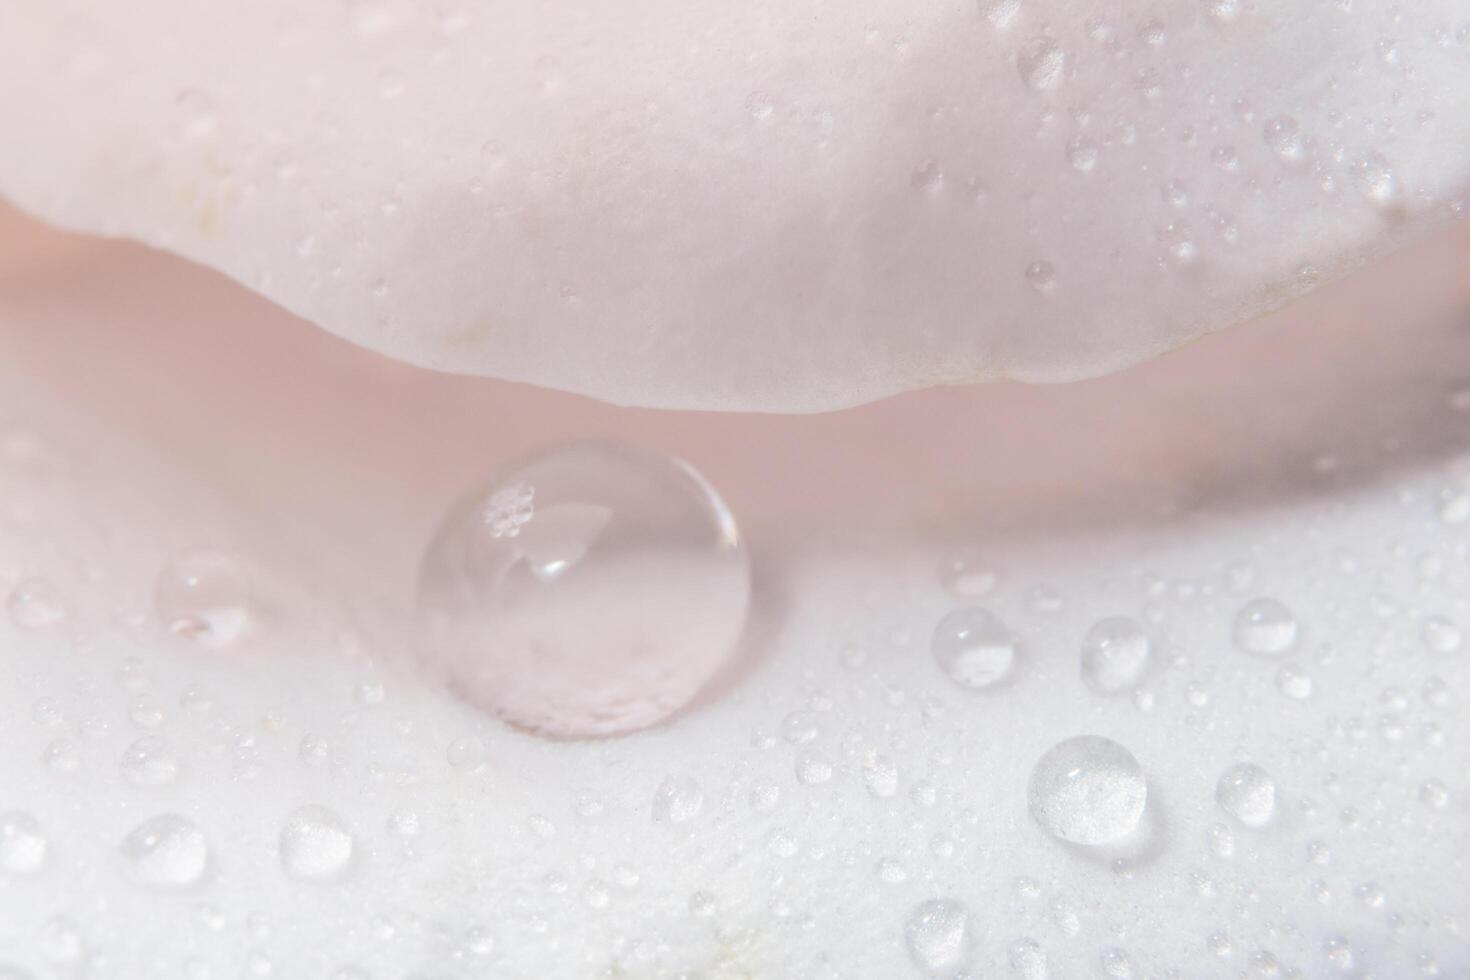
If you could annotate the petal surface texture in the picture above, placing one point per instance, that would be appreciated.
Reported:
(780, 205)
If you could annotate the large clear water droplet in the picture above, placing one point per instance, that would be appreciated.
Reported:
(166, 851)
(1265, 627)
(590, 590)
(316, 845)
(1115, 655)
(974, 648)
(938, 935)
(1088, 790)
(22, 844)
(1248, 793)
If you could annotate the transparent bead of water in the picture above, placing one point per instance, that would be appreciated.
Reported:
(974, 648)
(316, 845)
(677, 800)
(938, 935)
(149, 761)
(1028, 960)
(1265, 627)
(22, 844)
(1115, 655)
(35, 604)
(1042, 64)
(166, 851)
(1088, 790)
(207, 597)
(1248, 793)
(590, 590)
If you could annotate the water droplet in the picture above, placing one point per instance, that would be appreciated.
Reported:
(1224, 11)
(1042, 64)
(1293, 682)
(1265, 627)
(1441, 635)
(813, 768)
(1434, 794)
(1375, 178)
(166, 851)
(999, 12)
(466, 754)
(1082, 153)
(1088, 790)
(1115, 655)
(1285, 139)
(928, 176)
(206, 597)
(1248, 793)
(150, 762)
(22, 844)
(591, 590)
(1116, 964)
(974, 648)
(1042, 276)
(1028, 960)
(938, 935)
(677, 800)
(315, 845)
(966, 575)
(34, 605)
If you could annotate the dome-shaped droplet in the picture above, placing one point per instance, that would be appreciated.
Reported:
(677, 800)
(590, 590)
(1248, 793)
(207, 597)
(35, 604)
(974, 648)
(938, 935)
(1115, 655)
(316, 845)
(22, 844)
(1088, 790)
(1042, 64)
(166, 851)
(150, 762)
(1284, 137)
(1265, 627)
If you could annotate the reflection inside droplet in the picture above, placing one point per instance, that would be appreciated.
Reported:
(590, 590)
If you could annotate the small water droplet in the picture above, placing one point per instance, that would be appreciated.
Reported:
(1042, 276)
(1088, 790)
(34, 605)
(1042, 64)
(1115, 655)
(938, 935)
(1293, 682)
(206, 597)
(315, 845)
(1248, 793)
(677, 800)
(1082, 153)
(1265, 627)
(1285, 139)
(1441, 635)
(166, 851)
(974, 648)
(150, 762)
(22, 844)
